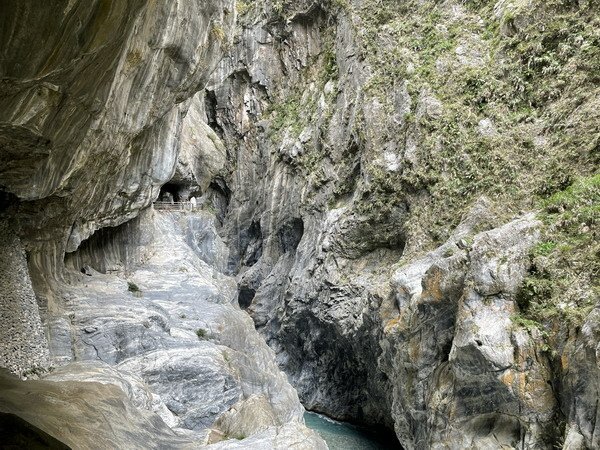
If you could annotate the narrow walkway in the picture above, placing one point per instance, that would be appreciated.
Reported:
(173, 206)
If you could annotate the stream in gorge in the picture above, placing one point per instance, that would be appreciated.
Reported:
(345, 436)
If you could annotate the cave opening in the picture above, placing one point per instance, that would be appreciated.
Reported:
(7, 199)
(175, 192)
(108, 249)
(245, 297)
(290, 234)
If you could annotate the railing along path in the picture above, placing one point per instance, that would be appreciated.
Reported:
(173, 206)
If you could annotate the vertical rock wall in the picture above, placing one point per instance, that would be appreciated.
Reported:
(363, 132)
(347, 141)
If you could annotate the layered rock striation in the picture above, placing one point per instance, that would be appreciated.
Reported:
(92, 118)
(403, 196)
(359, 137)
(135, 320)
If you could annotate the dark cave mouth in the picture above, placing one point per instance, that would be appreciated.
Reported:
(176, 192)
(181, 190)
(7, 200)
(245, 297)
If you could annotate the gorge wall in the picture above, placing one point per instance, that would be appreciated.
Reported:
(383, 159)
(92, 109)
(403, 196)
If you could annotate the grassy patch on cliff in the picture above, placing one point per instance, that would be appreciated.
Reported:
(305, 105)
(564, 283)
(519, 94)
(518, 86)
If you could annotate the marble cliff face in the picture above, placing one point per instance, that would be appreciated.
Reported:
(383, 189)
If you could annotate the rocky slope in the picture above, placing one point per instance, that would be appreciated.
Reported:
(171, 334)
(406, 194)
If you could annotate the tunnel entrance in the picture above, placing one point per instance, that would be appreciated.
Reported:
(174, 192)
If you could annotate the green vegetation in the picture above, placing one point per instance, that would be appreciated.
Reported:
(564, 282)
(218, 32)
(535, 85)
(340, 4)
(502, 103)
(544, 248)
(532, 77)
(524, 322)
(202, 334)
(132, 287)
(238, 436)
(448, 252)
(290, 115)
(287, 115)
(242, 7)
(531, 325)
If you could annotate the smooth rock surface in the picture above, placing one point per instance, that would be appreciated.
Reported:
(332, 166)
(86, 415)
(176, 333)
(91, 120)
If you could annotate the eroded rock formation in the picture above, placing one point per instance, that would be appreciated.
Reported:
(360, 134)
(92, 108)
(401, 195)
(93, 123)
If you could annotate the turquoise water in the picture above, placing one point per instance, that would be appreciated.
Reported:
(344, 436)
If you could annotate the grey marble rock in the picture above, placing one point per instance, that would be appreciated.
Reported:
(91, 120)
(312, 176)
(86, 415)
(368, 319)
(175, 343)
